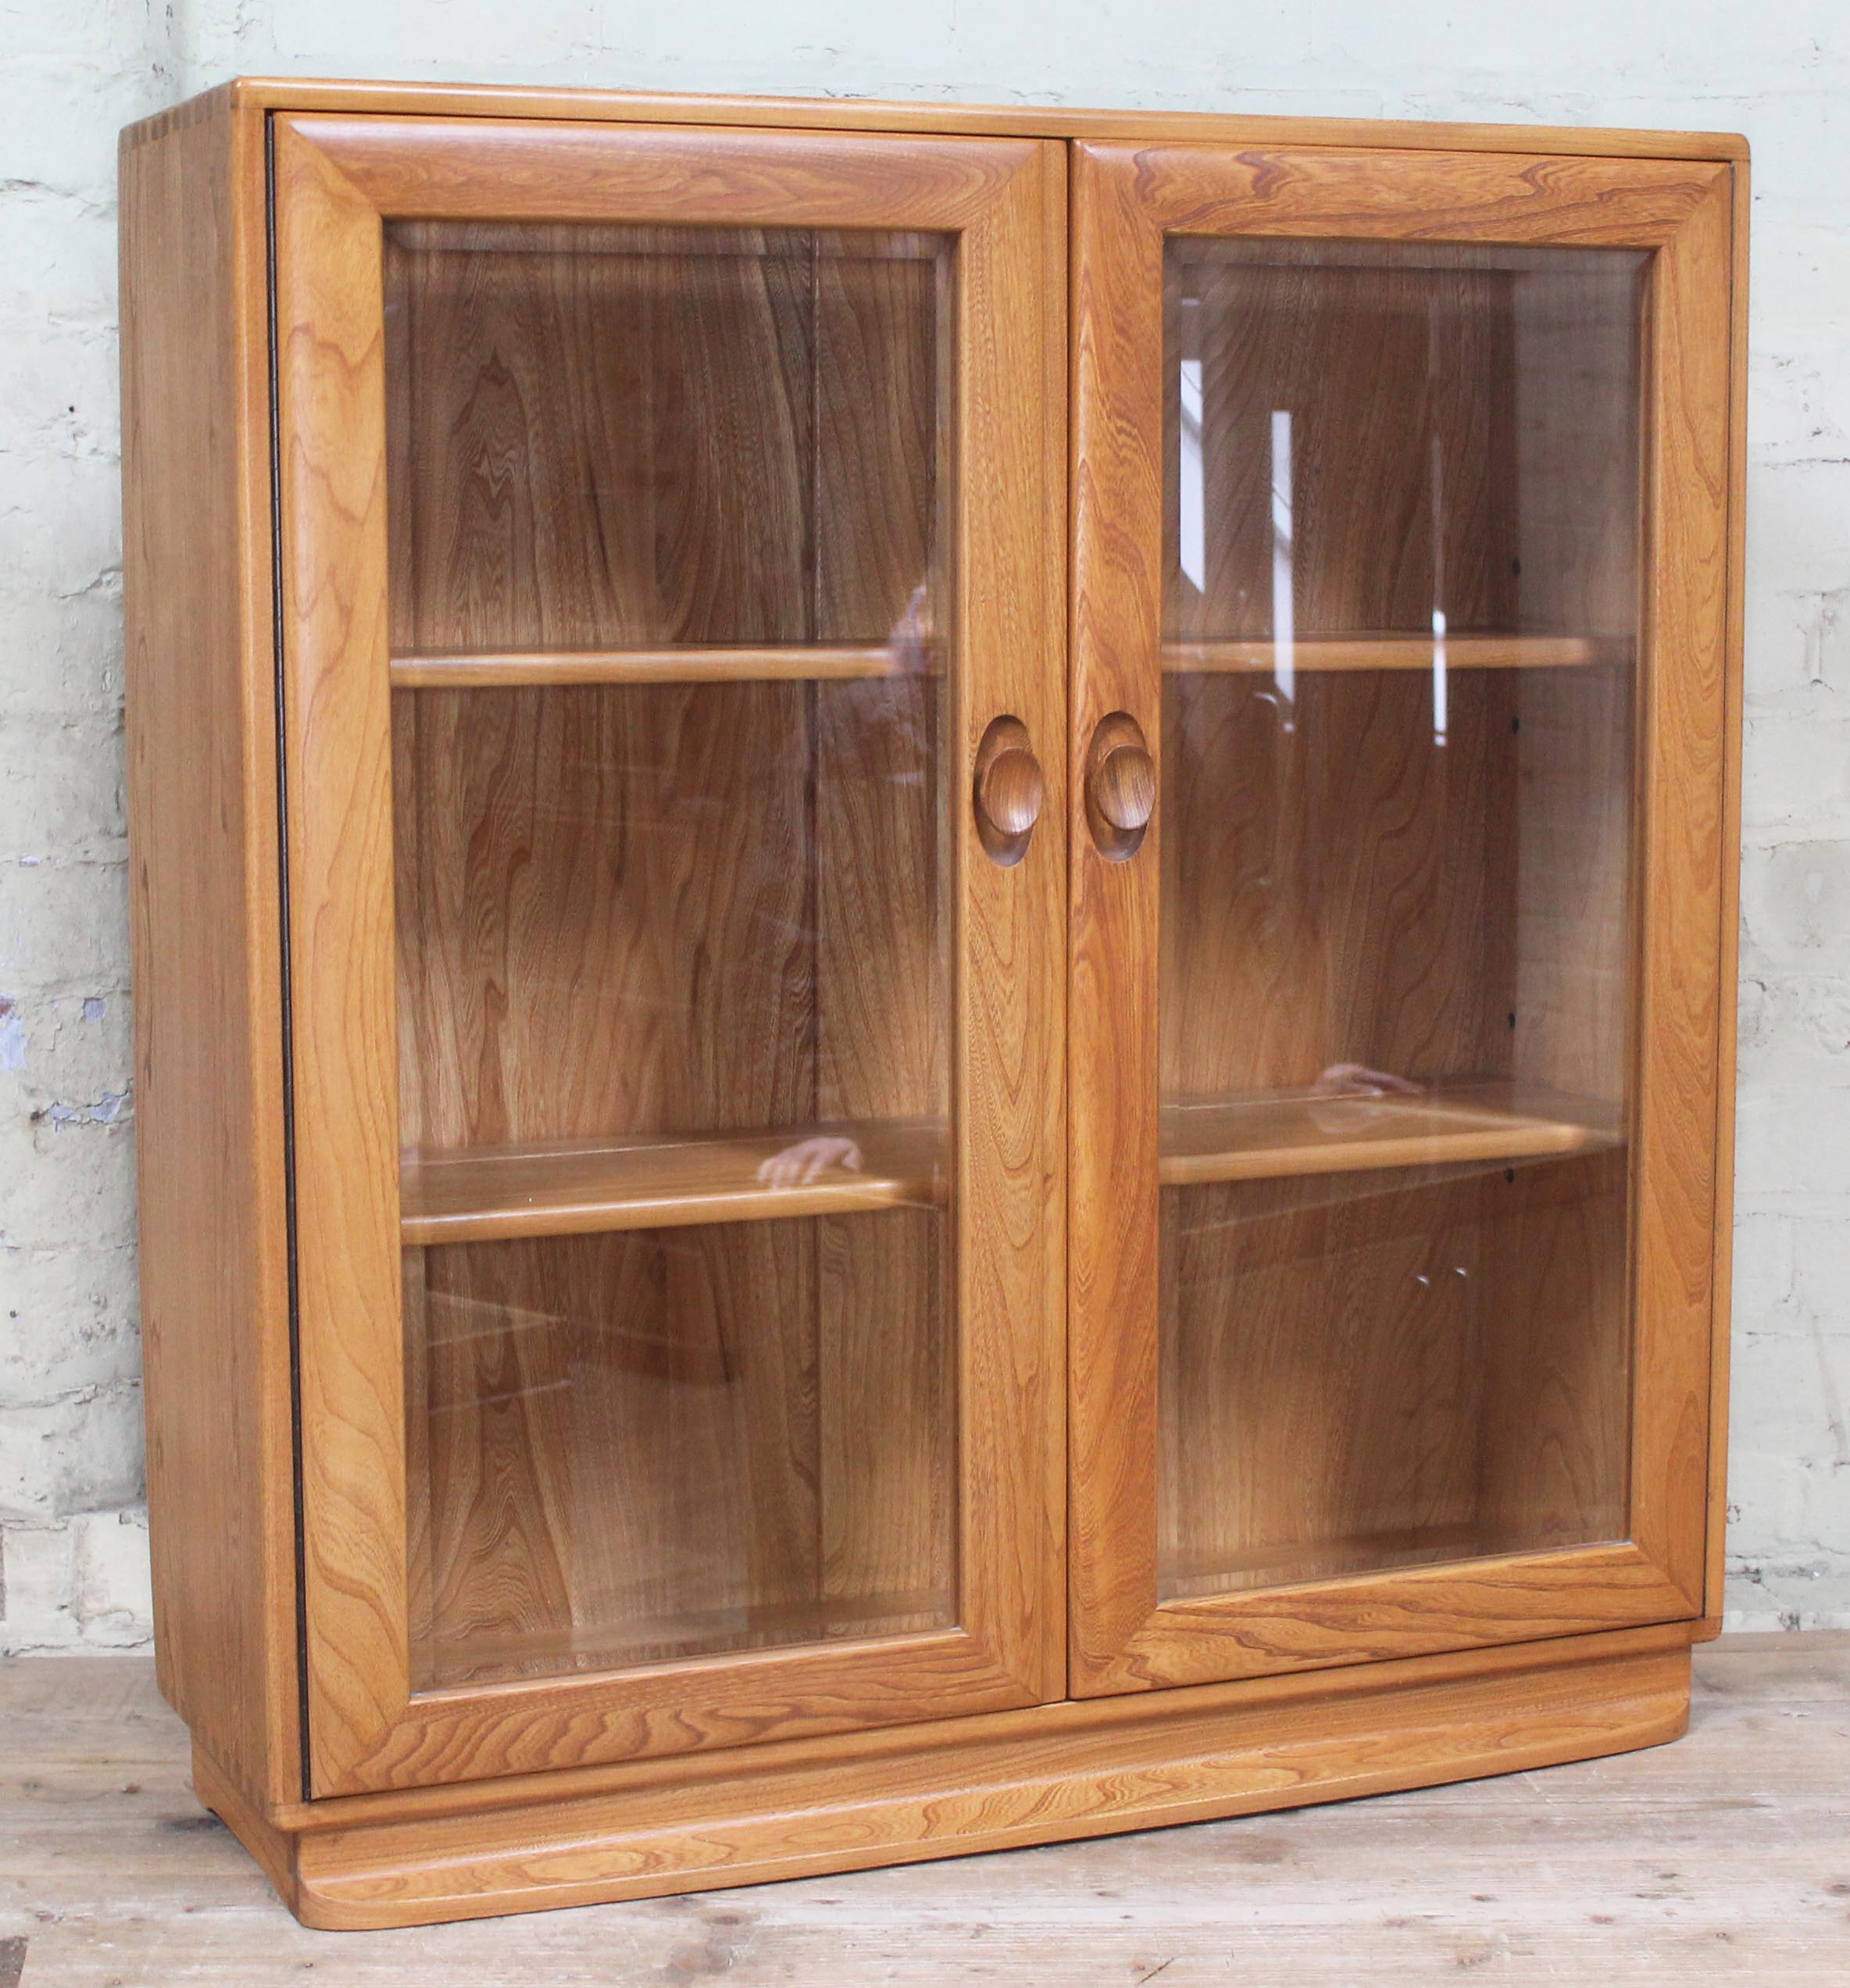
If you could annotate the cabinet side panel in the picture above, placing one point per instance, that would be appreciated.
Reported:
(202, 824)
(1717, 1565)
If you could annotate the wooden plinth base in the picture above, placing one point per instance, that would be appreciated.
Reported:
(1043, 1775)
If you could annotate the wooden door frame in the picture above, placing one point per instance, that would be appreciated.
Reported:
(1127, 198)
(336, 177)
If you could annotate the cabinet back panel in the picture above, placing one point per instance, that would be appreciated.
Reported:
(606, 437)
(1418, 862)
(1340, 887)
(1331, 892)
(1396, 1369)
(667, 909)
(1376, 433)
(1396, 387)
(627, 1448)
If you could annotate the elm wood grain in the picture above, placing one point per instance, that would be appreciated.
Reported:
(1398, 384)
(1537, 198)
(1572, 845)
(1050, 1773)
(567, 861)
(1115, 628)
(625, 1459)
(1749, 1802)
(1010, 1060)
(1000, 200)
(1258, 1137)
(432, 670)
(1042, 121)
(611, 440)
(1330, 893)
(201, 717)
(1471, 651)
(883, 480)
(1578, 324)
(1432, 1365)
(481, 1193)
(331, 403)
(1729, 976)
(841, 447)
(1126, 198)
(885, 919)
(1554, 1439)
(502, 170)
(1684, 722)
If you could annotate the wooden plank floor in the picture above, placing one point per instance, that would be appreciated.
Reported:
(1725, 1857)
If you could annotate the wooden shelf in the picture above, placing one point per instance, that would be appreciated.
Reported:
(431, 669)
(1467, 652)
(1261, 1138)
(486, 1194)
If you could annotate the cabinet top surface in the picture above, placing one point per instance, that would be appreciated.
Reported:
(260, 94)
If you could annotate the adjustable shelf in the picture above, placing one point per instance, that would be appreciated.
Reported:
(1265, 1138)
(486, 1194)
(1394, 651)
(439, 669)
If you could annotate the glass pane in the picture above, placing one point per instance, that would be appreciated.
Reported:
(1397, 992)
(673, 930)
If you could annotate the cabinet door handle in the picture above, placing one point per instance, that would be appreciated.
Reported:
(1120, 787)
(1009, 790)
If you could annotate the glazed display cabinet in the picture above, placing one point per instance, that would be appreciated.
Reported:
(933, 924)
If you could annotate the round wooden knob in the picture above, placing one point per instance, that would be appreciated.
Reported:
(1124, 786)
(1008, 791)
(1011, 791)
(1120, 787)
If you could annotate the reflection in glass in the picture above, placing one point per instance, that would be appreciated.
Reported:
(1396, 999)
(668, 512)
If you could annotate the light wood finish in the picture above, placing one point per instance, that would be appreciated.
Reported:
(1466, 651)
(117, 1871)
(873, 586)
(1050, 1773)
(205, 922)
(1122, 1637)
(1264, 1137)
(1037, 120)
(481, 1193)
(335, 177)
(830, 663)
(1726, 1020)
(1009, 787)
(1007, 790)
(1120, 787)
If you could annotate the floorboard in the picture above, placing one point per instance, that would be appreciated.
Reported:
(1725, 1857)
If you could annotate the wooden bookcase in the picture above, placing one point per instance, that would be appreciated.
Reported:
(933, 921)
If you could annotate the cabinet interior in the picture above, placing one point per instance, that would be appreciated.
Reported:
(669, 523)
(1397, 928)
(672, 870)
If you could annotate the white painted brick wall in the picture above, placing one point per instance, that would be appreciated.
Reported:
(71, 1544)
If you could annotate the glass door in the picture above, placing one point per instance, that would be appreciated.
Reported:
(1397, 902)
(667, 1193)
